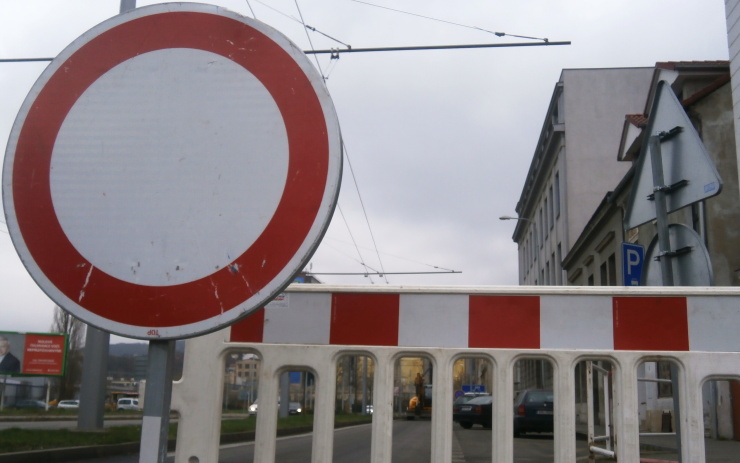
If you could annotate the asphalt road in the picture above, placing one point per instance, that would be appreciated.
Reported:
(411, 444)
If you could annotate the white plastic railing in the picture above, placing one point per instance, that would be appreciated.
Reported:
(198, 395)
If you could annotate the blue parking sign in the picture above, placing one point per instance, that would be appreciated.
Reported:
(633, 258)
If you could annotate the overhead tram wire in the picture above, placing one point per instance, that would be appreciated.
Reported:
(308, 36)
(354, 243)
(379, 273)
(336, 51)
(498, 34)
(438, 47)
(364, 211)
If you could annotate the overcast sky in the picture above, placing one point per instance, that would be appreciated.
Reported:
(439, 141)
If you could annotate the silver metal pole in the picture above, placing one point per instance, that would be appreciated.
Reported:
(92, 389)
(156, 422)
(127, 5)
(661, 214)
(666, 266)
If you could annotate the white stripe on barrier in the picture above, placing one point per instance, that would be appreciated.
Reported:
(433, 320)
(576, 322)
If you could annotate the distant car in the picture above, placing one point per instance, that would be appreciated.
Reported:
(30, 403)
(533, 411)
(467, 396)
(476, 410)
(294, 408)
(68, 404)
(127, 403)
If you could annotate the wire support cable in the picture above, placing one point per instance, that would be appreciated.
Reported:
(438, 47)
(452, 23)
(364, 211)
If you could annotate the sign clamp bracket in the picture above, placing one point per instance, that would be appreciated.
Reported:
(676, 253)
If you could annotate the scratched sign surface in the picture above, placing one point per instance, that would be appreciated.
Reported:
(171, 170)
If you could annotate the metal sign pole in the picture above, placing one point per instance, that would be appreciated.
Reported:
(156, 422)
(665, 256)
(661, 214)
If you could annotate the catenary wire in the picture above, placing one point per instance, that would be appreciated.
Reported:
(364, 211)
(357, 248)
(498, 34)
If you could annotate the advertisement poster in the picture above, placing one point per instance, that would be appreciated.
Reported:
(38, 354)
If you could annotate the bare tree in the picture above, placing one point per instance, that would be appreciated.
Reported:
(65, 323)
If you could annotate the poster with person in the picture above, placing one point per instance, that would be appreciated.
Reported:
(39, 354)
(11, 353)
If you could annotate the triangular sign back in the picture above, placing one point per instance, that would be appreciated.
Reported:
(684, 158)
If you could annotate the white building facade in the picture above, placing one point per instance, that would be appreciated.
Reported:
(573, 165)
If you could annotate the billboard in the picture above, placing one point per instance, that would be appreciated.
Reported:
(38, 354)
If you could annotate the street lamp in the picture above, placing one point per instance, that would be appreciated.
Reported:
(508, 217)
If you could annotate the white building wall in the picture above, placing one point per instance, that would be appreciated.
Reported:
(732, 12)
(594, 118)
(579, 168)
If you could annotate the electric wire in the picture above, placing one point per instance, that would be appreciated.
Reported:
(395, 256)
(498, 34)
(364, 210)
(251, 9)
(308, 36)
(357, 248)
(360, 261)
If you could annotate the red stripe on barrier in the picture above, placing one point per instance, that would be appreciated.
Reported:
(249, 329)
(650, 323)
(364, 319)
(506, 322)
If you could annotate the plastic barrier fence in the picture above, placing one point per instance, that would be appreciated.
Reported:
(311, 326)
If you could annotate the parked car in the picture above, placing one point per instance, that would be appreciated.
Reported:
(533, 411)
(467, 396)
(127, 403)
(476, 410)
(30, 403)
(68, 404)
(294, 408)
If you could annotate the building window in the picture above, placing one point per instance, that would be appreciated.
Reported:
(591, 280)
(612, 263)
(557, 194)
(542, 230)
(664, 372)
(559, 261)
(550, 210)
(547, 273)
(555, 266)
(546, 228)
(603, 272)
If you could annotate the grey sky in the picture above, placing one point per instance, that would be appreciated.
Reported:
(439, 141)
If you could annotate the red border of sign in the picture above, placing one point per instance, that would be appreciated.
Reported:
(149, 306)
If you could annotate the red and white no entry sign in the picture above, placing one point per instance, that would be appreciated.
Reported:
(171, 170)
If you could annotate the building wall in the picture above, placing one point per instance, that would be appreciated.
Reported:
(732, 12)
(575, 160)
(713, 120)
(594, 117)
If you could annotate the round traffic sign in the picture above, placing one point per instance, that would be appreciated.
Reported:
(171, 170)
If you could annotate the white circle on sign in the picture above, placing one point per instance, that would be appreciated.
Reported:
(126, 196)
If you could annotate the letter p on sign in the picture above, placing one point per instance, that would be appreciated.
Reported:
(633, 257)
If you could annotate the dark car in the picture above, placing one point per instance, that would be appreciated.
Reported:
(533, 411)
(294, 408)
(28, 403)
(477, 410)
